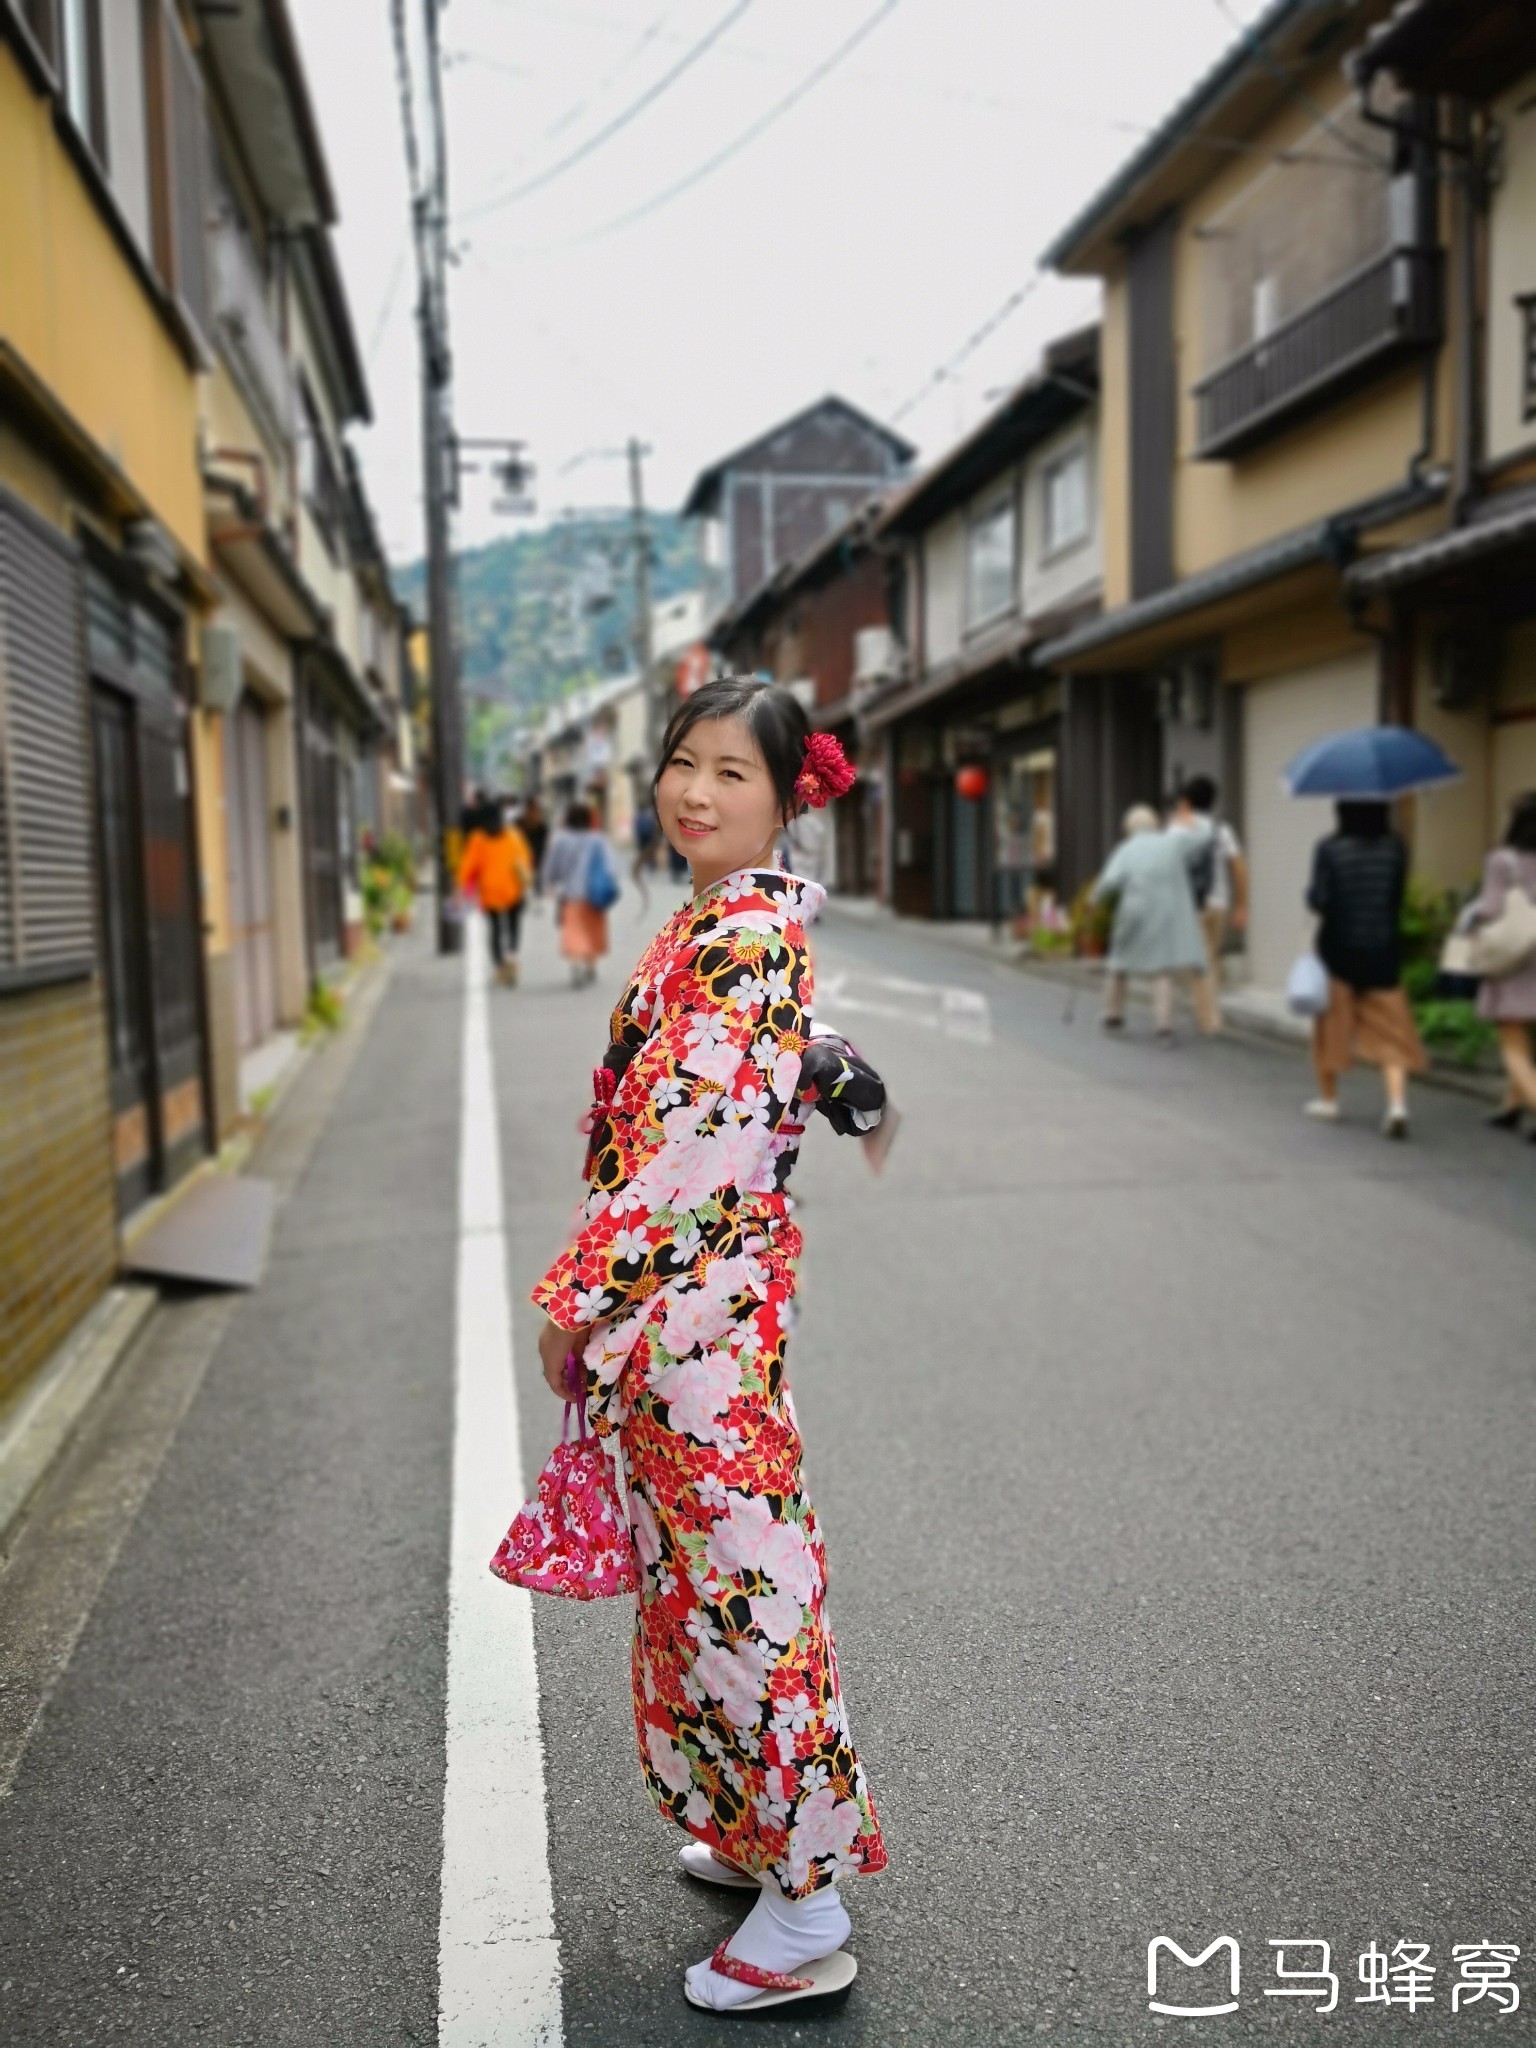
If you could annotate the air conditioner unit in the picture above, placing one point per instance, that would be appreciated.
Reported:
(220, 668)
(874, 654)
(152, 548)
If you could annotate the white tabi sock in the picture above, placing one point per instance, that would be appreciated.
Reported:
(778, 1934)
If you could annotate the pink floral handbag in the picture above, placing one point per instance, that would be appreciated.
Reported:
(572, 1538)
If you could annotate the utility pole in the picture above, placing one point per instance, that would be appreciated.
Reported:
(642, 545)
(439, 455)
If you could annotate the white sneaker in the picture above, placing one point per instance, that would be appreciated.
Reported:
(1325, 1112)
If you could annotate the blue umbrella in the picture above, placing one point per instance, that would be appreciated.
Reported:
(1370, 764)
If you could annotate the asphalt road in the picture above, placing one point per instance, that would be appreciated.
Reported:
(1175, 1456)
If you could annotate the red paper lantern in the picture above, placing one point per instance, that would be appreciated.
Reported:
(971, 782)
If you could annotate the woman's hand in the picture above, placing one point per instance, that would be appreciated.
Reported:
(554, 1343)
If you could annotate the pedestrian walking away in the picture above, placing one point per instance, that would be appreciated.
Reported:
(681, 1277)
(1508, 1001)
(579, 875)
(534, 827)
(648, 842)
(1219, 878)
(1156, 931)
(1359, 875)
(497, 867)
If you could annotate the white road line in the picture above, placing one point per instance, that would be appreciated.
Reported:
(962, 1013)
(498, 1959)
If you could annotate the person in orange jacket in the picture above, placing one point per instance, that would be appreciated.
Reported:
(498, 868)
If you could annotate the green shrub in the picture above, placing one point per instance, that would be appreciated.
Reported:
(1455, 1029)
(1450, 1027)
(324, 1015)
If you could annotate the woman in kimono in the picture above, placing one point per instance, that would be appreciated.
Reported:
(680, 1282)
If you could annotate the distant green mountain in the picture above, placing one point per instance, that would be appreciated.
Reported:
(550, 608)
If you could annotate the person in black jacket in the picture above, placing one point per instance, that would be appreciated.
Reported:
(1359, 875)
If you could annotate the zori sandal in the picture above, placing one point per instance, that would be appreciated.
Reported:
(699, 1860)
(828, 1978)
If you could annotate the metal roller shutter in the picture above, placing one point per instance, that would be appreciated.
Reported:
(47, 919)
(1281, 716)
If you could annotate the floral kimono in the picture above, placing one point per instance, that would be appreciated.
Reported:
(684, 1262)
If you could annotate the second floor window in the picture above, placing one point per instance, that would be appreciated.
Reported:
(1311, 216)
(990, 561)
(83, 82)
(1066, 501)
(319, 484)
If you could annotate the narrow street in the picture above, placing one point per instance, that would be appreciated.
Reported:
(1182, 1557)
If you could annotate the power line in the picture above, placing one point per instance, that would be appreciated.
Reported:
(1018, 297)
(646, 37)
(968, 348)
(748, 135)
(620, 120)
(1303, 99)
(387, 303)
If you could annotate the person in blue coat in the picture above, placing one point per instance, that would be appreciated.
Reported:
(1157, 928)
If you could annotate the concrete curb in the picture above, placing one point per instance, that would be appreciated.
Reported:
(48, 1409)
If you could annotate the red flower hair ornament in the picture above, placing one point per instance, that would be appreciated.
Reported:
(827, 771)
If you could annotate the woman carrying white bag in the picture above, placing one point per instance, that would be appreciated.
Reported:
(1502, 949)
(1359, 874)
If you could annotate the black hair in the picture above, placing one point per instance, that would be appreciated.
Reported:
(1200, 793)
(774, 716)
(1360, 819)
(578, 817)
(1520, 833)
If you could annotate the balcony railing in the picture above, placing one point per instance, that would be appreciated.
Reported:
(1387, 309)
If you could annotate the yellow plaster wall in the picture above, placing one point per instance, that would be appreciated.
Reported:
(1284, 640)
(74, 310)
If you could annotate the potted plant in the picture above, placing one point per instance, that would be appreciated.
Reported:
(1091, 924)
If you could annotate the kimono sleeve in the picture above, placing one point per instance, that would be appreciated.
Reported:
(841, 1084)
(692, 1129)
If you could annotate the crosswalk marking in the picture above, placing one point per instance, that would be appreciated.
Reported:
(498, 1958)
(962, 1013)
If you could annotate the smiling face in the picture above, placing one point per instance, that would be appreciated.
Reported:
(717, 802)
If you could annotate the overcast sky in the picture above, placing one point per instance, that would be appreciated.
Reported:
(853, 246)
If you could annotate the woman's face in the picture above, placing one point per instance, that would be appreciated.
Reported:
(716, 800)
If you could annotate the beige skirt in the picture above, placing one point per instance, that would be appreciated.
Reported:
(1371, 1024)
(583, 930)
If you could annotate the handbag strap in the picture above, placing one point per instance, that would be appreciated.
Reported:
(573, 1381)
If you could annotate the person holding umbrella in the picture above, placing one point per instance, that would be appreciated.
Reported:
(1359, 876)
